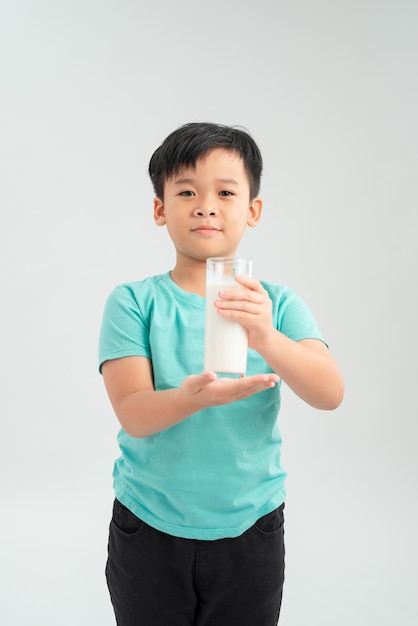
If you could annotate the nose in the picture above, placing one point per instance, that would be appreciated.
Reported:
(204, 212)
(205, 208)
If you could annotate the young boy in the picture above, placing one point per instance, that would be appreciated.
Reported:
(196, 536)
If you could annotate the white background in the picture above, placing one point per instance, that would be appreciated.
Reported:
(328, 88)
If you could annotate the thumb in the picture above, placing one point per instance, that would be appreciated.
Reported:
(198, 381)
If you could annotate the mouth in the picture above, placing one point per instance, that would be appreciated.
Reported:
(205, 229)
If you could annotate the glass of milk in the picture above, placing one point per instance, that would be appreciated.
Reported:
(226, 341)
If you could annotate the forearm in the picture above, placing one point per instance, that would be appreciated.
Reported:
(145, 413)
(312, 375)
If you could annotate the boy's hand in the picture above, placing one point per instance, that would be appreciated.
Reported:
(206, 389)
(251, 307)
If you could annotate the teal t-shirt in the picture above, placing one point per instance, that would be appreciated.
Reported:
(215, 473)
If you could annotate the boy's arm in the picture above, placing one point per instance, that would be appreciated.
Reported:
(142, 411)
(306, 366)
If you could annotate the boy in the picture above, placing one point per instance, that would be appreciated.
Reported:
(196, 536)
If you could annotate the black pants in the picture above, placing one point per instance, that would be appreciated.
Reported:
(155, 579)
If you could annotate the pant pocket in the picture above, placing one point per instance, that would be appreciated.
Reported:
(271, 523)
(124, 521)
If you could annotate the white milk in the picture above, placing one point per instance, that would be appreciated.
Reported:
(226, 341)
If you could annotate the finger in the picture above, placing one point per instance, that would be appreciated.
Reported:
(256, 387)
(250, 282)
(242, 294)
(265, 378)
(242, 309)
(258, 381)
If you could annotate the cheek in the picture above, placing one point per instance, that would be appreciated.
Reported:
(240, 225)
(174, 230)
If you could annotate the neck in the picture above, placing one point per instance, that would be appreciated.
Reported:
(190, 276)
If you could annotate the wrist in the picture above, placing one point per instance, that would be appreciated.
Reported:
(185, 402)
(262, 343)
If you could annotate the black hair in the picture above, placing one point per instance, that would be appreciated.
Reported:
(184, 146)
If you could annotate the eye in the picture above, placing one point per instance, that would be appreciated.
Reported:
(187, 193)
(225, 193)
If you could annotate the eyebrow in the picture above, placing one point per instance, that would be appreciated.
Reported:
(229, 181)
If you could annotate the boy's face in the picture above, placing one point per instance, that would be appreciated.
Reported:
(207, 209)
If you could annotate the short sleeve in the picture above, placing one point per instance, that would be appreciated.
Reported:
(124, 330)
(294, 318)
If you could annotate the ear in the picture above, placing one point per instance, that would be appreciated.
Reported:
(254, 212)
(159, 216)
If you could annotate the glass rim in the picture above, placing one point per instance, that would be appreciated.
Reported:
(228, 259)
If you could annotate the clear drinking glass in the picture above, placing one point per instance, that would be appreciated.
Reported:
(226, 341)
